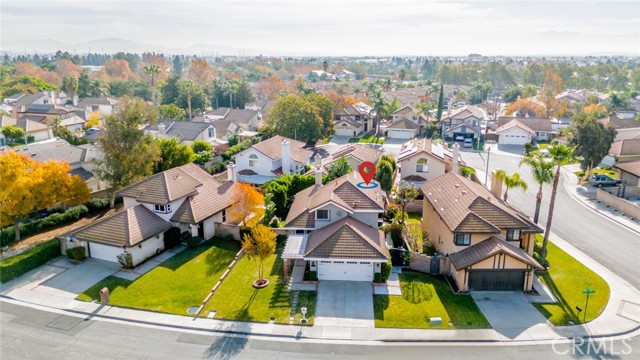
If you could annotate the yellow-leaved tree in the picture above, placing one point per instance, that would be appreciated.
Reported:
(93, 119)
(248, 207)
(259, 244)
(28, 185)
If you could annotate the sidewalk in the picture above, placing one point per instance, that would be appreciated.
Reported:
(581, 194)
(621, 317)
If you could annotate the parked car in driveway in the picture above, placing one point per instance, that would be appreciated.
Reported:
(603, 180)
(468, 143)
(459, 138)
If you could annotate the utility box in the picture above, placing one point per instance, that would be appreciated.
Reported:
(104, 296)
(435, 321)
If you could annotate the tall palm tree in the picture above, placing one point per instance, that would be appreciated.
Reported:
(231, 87)
(152, 71)
(510, 182)
(542, 173)
(379, 104)
(188, 88)
(559, 153)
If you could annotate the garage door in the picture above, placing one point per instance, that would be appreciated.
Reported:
(104, 252)
(397, 134)
(345, 270)
(508, 139)
(344, 132)
(490, 280)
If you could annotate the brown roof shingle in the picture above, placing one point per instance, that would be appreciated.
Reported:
(167, 186)
(488, 248)
(346, 238)
(632, 167)
(272, 148)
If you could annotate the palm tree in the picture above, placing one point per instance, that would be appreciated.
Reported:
(559, 153)
(510, 182)
(379, 104)
(152, 70)
(231, 87)
(542, 173)
(402, 74)
(188, 87)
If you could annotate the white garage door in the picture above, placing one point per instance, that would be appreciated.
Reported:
(345, 270)
(104, 252)
(510, 139)
(344, 132)
(399, 134)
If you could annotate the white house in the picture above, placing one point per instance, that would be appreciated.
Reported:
(464, 122)
(186, 198)
(542, 127)
(334, 229)
(38, 131)
(271, 158)
(355, 154)
(104, 106)
(183, 131)
(353, 120)
(514, 133)
(406, 123)
(421, 160)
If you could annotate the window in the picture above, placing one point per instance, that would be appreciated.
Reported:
(253, 160)
(462, 239)
(224, 215)
(513, 235)
(422, 166)
(300, 232)
(162, 208)
(322, 214)
(352, 262)
(210, 132)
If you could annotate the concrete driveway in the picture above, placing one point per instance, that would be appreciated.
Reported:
(511, 314)
(78, 278)
(344, 304)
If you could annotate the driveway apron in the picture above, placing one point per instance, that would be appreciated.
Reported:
(344, 304)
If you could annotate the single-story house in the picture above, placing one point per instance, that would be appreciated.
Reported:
(402, 129)
(629, 172)
(515, 133)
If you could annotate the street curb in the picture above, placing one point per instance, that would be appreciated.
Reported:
(573, 195)
(170, 327)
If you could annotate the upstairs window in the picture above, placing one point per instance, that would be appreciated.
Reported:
(162, 208)
(462, 239)
(513, 235)
(210, 132)
(224, 215)
(253, 160)
(322, 214)
(422, 166)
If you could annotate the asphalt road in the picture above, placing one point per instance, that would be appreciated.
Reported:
(611, 244)
(32, 334)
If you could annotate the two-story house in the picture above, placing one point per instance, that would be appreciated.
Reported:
(464, 122)
(489, 244)
(334, 229)
(353, 120)
(355, 154)
(227, 122)
(406, 123)
(50, 114)
(183, 131)
(421, 160)
(271, 158)
(33, 130)
(104, 106)
(186, 198)
(522, 130)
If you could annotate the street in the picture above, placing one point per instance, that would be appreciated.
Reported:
(613, 245)
(33, 334)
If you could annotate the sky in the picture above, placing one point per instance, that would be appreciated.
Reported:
(328, 27)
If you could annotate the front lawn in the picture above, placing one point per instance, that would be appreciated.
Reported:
(237, 299)
(414, 218)
(567, 279)
(598, 171)
(175, 285)
(425, 296)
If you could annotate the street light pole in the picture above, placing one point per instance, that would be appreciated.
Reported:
(486, 174)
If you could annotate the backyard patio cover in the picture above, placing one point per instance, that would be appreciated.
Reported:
(296, 245)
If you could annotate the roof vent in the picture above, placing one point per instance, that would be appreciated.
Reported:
(489, 198)
(441, 209)
(463, 192)
(457, 185)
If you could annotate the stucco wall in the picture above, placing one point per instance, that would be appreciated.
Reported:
(265, 164)
(617, 203)
(148, 248)
(436, 167)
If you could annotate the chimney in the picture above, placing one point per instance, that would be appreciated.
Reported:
(286, 157)
(318, 174)
(162, 128)
(454, 160)
(318, 160)
(496, 185)
(231, 172)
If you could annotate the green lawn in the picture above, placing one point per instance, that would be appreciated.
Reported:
(425, 296)
(599, 171)
(178, 283)
(414, 218)
(567, 278)
(237, 299)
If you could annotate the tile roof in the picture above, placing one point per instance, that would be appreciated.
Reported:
(465, 112)
(24, 123)
(346, 238)
(419, 146)
(403, 123)
(515, 123)
(272, 148)
(488, 248)
(466, 206)
(632, 167)
(535, 124)
(625, 147)
(342, 192)
(182, 130)
(351, 110)
(212, 197)
(359, 152)
(103, 100)
(59, 150)
(129, 227)
(405, 110)
(349, 121)
(167, 186)
(29, 99)
(414, 178)
(619, 123)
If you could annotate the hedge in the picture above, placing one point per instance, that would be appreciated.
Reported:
(98, 204)
(8, 235)
(15, 266)
(77, 253)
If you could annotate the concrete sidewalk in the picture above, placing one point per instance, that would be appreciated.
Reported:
(621, 317)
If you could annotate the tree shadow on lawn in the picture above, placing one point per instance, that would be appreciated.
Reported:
(225, 347)
(243, 313)
(562, 302)
(461, 309)
(380, 304)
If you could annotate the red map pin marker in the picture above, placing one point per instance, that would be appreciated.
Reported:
(367, 171)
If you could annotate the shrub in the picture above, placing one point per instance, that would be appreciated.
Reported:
(217, 167)
(194, 241)
(77, 253)
(8, 235)
(15, 266)
(392, 213)
(395, 231)
(97, 204)
(313, 276)
(236, 149)
(30, 138)
(281, 239)
(244, 231)
(386, 270)
(126, 260)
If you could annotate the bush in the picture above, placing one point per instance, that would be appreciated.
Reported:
(217, 167)
(244, 231)
(313, 276)
(281, 239)
(392, 213)
(98, 204)
(8, 235)
(395, 231)
(386, 270)
(194, 241)
(15, 266)
(236, 149)
(126, 260)
(77, 253)
(30, 138)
